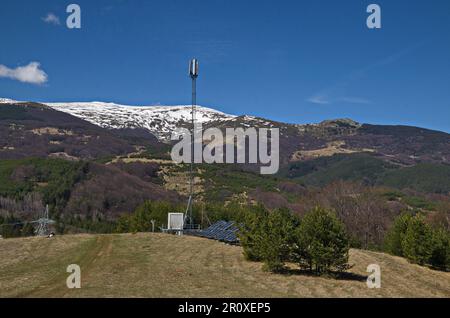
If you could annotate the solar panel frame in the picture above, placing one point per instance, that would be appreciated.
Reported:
(224, 231)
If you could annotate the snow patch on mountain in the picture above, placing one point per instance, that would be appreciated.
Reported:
(160, 120)
(7, 101)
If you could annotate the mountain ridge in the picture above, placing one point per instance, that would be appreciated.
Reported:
(181, 114)
(398, 144)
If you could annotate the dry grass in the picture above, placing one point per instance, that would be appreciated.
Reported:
(159, 265)
(179, 181)
(332, 148)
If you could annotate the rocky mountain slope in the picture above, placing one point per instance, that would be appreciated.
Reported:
(402, 145)
(159, 120)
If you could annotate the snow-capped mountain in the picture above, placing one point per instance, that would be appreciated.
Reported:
(7, 101)
(397, 144)
(160, 120)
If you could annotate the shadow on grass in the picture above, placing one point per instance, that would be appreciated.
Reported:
(334, 275)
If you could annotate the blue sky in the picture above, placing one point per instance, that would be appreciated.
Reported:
(294, 61)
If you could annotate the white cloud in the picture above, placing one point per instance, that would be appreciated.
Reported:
(318, 99)
(51, 18)
(326, 100)
(30, 73)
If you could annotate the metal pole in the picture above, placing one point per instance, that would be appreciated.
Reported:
(193, 72)
(194, 102)
(153, 225)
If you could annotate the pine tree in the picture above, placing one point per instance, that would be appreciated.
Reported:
(322, 244)
(418, 241)
(251, 231)
(395, 236)
(440, 257)
(267, 236)
(250, 235)
(277, 238)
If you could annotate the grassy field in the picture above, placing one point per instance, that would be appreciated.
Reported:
(159, 265)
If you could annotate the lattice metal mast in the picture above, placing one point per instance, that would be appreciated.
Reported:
(43, 224)
(193, 73)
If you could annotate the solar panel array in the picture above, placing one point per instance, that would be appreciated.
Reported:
(221, 231)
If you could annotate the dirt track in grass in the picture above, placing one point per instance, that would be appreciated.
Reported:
(159, 265)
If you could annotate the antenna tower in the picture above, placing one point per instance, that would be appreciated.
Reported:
(193, 73)
(43, 224)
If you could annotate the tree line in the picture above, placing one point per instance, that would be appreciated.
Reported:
(411, 237)
(319, 241)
